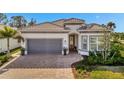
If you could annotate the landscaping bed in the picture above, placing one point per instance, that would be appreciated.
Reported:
(4, 58)
(95, 66)
(81, 71)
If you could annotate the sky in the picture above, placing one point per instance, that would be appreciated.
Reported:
(100, 18)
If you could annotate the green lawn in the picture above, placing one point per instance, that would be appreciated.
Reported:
(106, 75)
(100, 74)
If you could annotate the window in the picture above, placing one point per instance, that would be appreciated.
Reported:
(100, 43)
(96, 43)
(93, 43)
(84, 42)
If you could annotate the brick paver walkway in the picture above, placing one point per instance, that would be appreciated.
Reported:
(41, 66)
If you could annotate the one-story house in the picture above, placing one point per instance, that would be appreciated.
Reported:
(53, 37)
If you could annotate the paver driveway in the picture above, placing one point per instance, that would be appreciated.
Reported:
(41, 66)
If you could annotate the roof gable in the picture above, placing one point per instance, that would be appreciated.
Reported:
(59, 22)
(74, 20)
(43, 27)
(95, 27)
(63, 25)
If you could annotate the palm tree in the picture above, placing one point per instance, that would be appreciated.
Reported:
(108, 29)
(32, 22)
(8, 33)
(111, 26)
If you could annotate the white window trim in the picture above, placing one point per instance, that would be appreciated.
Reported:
(88, 41)
(93, 43)
(98, 44)
(84, 43)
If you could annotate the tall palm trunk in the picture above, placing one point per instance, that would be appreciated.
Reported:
(8, 47)
(105, 45)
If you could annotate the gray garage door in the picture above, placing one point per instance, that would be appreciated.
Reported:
(44, 45)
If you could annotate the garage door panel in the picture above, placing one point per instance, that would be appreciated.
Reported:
(44, 45)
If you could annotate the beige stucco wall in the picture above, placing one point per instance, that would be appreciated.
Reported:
(3, 44)
(64, 36)
(73, 27)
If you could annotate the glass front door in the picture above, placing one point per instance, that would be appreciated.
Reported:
(72, 46)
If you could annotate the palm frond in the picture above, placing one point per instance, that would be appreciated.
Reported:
(8, 32)
(19, 37)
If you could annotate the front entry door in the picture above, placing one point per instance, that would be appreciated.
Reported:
(72, 42)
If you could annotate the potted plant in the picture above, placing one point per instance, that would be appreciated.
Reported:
(22, 51)
(65, 50)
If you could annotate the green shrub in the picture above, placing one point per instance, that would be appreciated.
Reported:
(3, 53)
(118, 60)
(108, 62)
(4, 59)
(0, 63)
(80, 71)
(95, 58)
(89, 68)
(91, 60)
(81, 68)
(114, 58)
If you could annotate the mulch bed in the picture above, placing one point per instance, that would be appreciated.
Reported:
(74, 69)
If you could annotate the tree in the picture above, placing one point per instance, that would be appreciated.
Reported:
(32, 22)
(122, 36)
(8, 33)
(18, 21)
(108, 29)
(19, 37)
(116, 36)
(111, 26)
(3, 19)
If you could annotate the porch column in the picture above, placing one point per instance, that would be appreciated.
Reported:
(65, 44)
(79, 43)
(25, 46)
